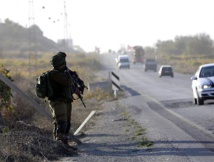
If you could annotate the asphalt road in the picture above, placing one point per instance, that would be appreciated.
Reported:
(164, 105)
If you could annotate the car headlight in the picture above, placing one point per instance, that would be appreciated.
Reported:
(206, 86)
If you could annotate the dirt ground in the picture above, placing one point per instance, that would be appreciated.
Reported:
(108, 136)
(28, 143)
(110, 139)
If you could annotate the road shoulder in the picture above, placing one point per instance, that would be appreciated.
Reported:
(111, 138)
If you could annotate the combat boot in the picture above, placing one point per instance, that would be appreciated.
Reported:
(65, 142)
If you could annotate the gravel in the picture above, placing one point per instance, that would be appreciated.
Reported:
(111, 138)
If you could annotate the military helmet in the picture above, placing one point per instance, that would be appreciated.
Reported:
(58, 59)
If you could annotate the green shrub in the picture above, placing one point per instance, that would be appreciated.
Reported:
(5, 90)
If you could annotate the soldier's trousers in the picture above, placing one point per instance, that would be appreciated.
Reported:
(61, 113)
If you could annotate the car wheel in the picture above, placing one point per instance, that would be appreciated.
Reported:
(199, 100)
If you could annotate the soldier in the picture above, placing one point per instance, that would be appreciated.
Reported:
(60, 102)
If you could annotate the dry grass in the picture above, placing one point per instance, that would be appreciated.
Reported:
(28, 134)
(186, 64)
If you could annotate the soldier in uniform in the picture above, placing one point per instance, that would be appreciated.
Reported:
(63, 86)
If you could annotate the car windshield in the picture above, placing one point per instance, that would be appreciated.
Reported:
(150, 60)
(207, 72)
(167, 69)
(124, 60)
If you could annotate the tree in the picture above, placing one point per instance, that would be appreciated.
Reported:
(5, 90)
(166, 47)
(5, 93)
(190, 45)
(150, 51)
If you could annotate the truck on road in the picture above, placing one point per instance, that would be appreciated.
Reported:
(150, 64)
(138, 54)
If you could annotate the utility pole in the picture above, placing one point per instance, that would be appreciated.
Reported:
(66, 28)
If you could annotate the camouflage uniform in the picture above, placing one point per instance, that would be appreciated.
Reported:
(61, 101)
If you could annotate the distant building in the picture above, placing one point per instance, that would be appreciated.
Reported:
(69, 42)
(97, 50)
(78, 49)
(66, 44)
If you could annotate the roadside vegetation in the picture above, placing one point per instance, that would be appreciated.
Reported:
(184, 53)
(26, 133)
(185, 64)
(137, 131)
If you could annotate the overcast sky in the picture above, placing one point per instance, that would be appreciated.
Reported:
(110, 24)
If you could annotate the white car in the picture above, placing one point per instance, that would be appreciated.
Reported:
(123, 61)
(203, 84)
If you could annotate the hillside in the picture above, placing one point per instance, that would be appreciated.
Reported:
(14, 37)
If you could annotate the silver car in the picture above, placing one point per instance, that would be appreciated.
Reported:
(123, 61)
(203, 84)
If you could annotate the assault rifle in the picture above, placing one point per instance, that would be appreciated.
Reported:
(78, 85)
(81, 98)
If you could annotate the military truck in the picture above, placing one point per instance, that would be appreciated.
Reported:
(138, 54)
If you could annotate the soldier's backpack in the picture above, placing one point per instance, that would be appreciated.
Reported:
(43, 87)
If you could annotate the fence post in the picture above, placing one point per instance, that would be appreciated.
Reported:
(115, 81)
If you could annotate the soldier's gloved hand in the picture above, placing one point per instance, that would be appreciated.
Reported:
(81, 89)
(77, 91)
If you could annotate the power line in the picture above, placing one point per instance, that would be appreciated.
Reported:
(66, 42)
